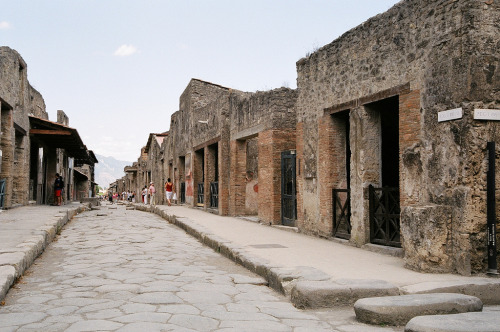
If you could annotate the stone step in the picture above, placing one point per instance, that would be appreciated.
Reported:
(341, 292)
(487, 289)
(466, 322)
(399, 310)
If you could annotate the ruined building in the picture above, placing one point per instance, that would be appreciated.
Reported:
(33, 149)
(382, 143)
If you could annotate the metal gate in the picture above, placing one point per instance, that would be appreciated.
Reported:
(288, 189)
(2, 193)
(384, 216)
(201, 194)
(341, 213)
(214, 195)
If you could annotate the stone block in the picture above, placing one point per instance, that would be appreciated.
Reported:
(487, 290)
(465, 322)
(93, 201)
(17, 260)
(398, 310)
(327, 294)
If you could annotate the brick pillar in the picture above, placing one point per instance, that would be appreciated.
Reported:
(237, 182)
(271, 144)
(224, 177)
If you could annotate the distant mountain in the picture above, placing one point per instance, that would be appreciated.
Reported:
(108, 169)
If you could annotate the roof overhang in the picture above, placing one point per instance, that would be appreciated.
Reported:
(56, 135)
(79, 175)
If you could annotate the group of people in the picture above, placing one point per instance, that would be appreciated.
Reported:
(151, 193)
(129, 196)
(147, 193)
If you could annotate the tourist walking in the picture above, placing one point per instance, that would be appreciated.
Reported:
(58, 187)
(169, 189)
(145, 195)
(152, 193)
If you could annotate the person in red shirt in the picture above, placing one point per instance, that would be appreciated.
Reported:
(169, 189)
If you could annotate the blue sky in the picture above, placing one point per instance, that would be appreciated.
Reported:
(118, 67)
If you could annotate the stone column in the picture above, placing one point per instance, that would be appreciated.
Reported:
(7, 147)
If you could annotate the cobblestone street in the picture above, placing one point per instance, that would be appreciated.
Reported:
(124, 270)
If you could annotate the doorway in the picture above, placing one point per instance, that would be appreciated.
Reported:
(288, 188)
(341, 195)
(384, 199)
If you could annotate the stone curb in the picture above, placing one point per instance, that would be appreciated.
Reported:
(467, 322)
(15, 262)
(399, 310)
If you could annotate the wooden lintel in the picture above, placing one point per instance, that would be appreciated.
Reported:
(49, 132)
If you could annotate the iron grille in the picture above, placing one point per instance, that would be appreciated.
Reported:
(201, 193)
(384, 216)
(2, 193)
(214, 195)
(341, 213)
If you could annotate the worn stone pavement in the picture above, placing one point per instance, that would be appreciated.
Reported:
(123, 270)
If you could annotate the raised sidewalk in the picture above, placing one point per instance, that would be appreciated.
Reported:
(25, 232)
(304, 266)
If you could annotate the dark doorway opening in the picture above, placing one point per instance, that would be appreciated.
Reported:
(341, 200)
(288, 189)
(384, 199)
(213, 152)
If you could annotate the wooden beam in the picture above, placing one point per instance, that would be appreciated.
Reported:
(49, 132)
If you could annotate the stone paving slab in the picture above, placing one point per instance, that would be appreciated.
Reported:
(398, 310)
(487, 289)
(326, 294)
(25, 232)
(285, 279)
(135, 272)
(466, 322)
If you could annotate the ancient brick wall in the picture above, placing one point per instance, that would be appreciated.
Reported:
(432, 56)
(268, 119)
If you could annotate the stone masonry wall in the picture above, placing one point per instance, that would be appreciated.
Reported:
(18, 99)
(434, 55)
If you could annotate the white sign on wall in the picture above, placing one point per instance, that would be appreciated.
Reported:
(448, 115)
(484, 114)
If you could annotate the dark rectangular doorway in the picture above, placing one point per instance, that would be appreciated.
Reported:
(384, 200)
(288, 189)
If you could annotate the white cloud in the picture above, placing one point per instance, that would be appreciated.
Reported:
(125, 50)
(4, 25)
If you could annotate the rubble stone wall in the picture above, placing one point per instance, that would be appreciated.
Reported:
(18, 99)
(435, 56)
